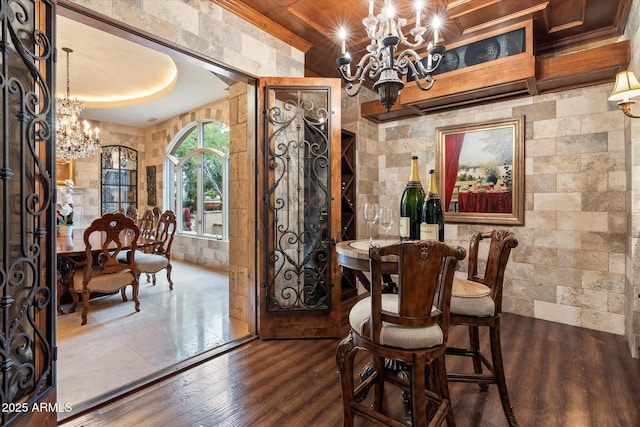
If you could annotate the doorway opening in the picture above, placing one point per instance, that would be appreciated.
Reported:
(174, 329)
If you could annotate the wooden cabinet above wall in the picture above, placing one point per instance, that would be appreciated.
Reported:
(520, 74)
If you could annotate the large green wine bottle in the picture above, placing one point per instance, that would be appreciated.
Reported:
(432, 221)
(411, 205)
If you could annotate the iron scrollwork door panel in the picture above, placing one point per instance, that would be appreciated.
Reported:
(27, 218)
(298, 199)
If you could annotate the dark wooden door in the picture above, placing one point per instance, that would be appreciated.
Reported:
(299, 208)
(27, 215)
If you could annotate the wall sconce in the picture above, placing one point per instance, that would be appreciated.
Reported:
(626, 87)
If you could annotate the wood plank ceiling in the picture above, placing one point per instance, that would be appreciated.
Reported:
(560, 27)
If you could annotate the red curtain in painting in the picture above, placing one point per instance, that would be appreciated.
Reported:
(452, 148)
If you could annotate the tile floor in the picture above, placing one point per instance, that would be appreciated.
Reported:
(118, 346)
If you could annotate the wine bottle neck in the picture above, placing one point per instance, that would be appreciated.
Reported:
(433, 186)
(414, 176)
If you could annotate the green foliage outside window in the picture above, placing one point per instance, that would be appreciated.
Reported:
(216, 136)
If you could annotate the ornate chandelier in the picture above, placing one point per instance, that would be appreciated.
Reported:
(72, 139)
(382, 64)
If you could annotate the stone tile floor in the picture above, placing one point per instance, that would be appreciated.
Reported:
(118, 346)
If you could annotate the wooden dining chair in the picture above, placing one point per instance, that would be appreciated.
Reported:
(410, 327)
(147, 225)
(158, 256)
(102, 271)
(476, 302)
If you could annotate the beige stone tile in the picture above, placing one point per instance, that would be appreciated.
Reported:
(584, 260)
(542, 219)
(571, 182)
(542, 183)
(553, 275)
(603, 281)
(616, 140)
(559, 239)
(602, 321)
(534, 111)
(584, 104)
(569, 126)
(617, 304)
(539, 256)
(603, 162)
(532, 290)
(540, 147)
(568, 163)
(603, 241)
(607, 121)
(557, 313)
(545, 129)
(617, 181)
(583, 221)
(585, 143)
(570, 202)
(617, 263)
(523, 307)
(611, 201)
(582, 298)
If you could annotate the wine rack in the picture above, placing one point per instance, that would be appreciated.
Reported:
(348, 202)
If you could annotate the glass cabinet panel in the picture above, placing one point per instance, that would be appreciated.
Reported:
(119, 174)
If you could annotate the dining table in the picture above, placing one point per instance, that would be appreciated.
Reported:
(72, 249)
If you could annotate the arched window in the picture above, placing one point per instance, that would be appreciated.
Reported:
(197, 179)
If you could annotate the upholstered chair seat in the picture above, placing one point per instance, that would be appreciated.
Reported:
(407, 337)
(471, 298)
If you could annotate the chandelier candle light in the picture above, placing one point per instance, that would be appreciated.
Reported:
(72, 140)
(381, 63)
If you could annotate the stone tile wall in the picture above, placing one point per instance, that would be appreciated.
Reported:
(569, 266)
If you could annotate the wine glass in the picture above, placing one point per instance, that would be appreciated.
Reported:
(371, 216)
(386, 220)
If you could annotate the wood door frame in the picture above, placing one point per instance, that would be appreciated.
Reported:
(305, 324)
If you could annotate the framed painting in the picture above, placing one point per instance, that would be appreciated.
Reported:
(480, 169)
(65, 169)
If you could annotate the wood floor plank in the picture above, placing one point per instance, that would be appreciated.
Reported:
(557, 375)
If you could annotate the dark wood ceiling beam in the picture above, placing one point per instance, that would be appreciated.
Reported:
(261, 21)
(458, 8)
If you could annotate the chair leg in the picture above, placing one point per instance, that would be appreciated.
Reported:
(59, 291)
(169, 277)
(417, 387)
(443, 387)
(149, 278)
(85, 306)
(134, 294)
(378, 389)
(123, 292)
(498, 370)
(474, 341)
(345, 354)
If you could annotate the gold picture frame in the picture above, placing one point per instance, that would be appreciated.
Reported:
(480, 169)
(65, 169)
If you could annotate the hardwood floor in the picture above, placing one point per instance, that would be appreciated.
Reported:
(558, 375)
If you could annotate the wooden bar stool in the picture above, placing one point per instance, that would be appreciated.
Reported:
(409, 327)
(477, 301)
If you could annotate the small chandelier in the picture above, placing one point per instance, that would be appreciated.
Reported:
(382, 64)
(73, 141)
